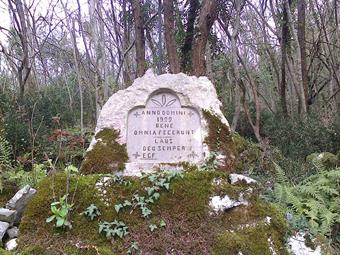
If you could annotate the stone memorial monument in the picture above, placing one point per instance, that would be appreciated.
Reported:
(163, 131)
(157, 121)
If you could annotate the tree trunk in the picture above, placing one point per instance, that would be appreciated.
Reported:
(70, 23)
(140, 38)
(24, 68)
(170, 40)
(207, 18)
(302, 44)
(189, 35)
(284, 45)
(297, 68)
(160, 39)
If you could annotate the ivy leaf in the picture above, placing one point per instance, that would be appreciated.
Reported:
(150, 200)
(127, 203)
(162, 223)
(152, 227)
(118, 207)
(109, 233)
(152, 178)
(150, 190)
(146, 212)
(156, 195)
(134, 247)
(167, 185)
(119, 233)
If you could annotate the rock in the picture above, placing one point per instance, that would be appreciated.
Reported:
(179, 103)
(234, 178)
(298, 246)
(218, 203)
(7, 215)
(3, 228)
(11, 245)
(220, 160)
(20, 200)
(13, 232)
(326, 159)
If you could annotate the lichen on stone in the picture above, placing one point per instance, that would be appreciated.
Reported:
(107, 155)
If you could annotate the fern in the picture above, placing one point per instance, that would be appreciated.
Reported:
(316, 198)
(280, 174)
(5, 155)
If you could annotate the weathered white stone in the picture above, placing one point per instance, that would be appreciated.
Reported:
(218, 203)
(191, 94)
(268, 220)
(298, 247)
(12, 232)
(20, 200)
(3, 228)
(11, 245)
(234, 178)
(7, 215)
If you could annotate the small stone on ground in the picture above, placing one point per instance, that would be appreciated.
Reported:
(11, 245)
(234, 178)
(3, 228)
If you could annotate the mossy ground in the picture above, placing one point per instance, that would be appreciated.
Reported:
(107, 155)
(190, 228)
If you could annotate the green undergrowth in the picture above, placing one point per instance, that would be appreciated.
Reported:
(3, 252)
(188, 225)
(7, 193)
(107, 155)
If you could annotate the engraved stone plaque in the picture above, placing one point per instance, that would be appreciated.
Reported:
(163, 131)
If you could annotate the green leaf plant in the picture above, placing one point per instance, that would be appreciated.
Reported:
(92, 212)
(60, 211)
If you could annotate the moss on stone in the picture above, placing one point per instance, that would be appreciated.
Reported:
(190, 228)
(219, 139)
(247, 153)
(50, 190)
(252, 241)
(107, 155)
(326, 159)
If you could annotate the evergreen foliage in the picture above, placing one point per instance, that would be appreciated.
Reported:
(316, 199)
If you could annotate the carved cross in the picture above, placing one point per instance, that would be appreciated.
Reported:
(136, 155)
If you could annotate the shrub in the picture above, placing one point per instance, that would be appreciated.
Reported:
(297, 137)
